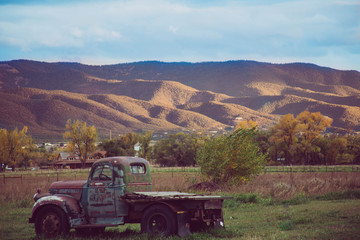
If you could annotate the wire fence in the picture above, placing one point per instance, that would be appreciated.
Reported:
(52, 175)
(306, 168)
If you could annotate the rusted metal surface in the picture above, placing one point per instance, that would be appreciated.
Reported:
(118, 191)
(72, 188)
(67, 203)
(170, 196)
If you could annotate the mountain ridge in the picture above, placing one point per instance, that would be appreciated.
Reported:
(168, 96)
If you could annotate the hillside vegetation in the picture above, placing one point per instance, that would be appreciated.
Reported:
(172, 96)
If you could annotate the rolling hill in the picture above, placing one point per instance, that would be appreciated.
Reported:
(171, 96)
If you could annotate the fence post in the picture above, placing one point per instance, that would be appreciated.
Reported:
(4, 178)
(291, 176)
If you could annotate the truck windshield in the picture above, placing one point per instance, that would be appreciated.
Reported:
(102, 173)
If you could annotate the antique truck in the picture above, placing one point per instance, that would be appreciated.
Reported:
(118, 191)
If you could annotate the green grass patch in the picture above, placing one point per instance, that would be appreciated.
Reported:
(286, 225)
(248, 218)
(254, 198)
(349, 194)
(299, 198)
(242, 198)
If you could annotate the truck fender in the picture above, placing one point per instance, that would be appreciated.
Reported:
(65, 202)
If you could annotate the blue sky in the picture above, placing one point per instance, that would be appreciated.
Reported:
(324, 32)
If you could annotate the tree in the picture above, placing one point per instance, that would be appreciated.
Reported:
(145, 149)
(177, 150)
(246, 124)
(263, 140)
(231, 159)
(27, 154)
(295, 136)
(82, 139)
(338, 146)
(283, 136)
(14, 145)
(353, 148)
(310, 126)
(122, 146)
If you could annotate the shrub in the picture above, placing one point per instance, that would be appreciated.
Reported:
(231, 159)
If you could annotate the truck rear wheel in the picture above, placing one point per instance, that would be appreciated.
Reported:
(159, 220)
(51, 222)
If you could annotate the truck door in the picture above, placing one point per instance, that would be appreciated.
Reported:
(121, 206)
(101, 194)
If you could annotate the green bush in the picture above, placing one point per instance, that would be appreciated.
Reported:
(231, 159)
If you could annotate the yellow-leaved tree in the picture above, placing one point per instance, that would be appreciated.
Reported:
(310, 126)
(296, 135)
(283, 136)
(81, 139)
(246, 124)
(14, 147)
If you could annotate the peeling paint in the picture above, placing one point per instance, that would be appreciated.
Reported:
(117, 191)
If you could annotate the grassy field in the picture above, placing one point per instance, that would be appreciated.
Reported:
(296, 205)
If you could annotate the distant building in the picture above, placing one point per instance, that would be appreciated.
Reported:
(66, 160)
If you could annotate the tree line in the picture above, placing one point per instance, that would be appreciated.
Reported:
(300, 140)
(293, 140)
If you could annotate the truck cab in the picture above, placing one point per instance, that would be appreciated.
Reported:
(118, 191)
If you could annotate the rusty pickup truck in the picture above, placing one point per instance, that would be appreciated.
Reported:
(118, 192)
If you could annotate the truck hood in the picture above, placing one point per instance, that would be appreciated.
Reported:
(72, 188)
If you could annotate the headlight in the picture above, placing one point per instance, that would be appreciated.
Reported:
(36, 195)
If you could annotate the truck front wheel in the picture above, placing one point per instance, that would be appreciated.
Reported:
(51, 222)
(159, 220)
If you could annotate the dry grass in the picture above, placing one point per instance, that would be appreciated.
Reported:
(277, 185)
(22, 193)
(286, 185)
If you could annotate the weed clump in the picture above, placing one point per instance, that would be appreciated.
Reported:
(286, 225)
(300, 198)
(282, 190)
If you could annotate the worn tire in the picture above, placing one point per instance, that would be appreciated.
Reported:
(51, 221)
(159, 220)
